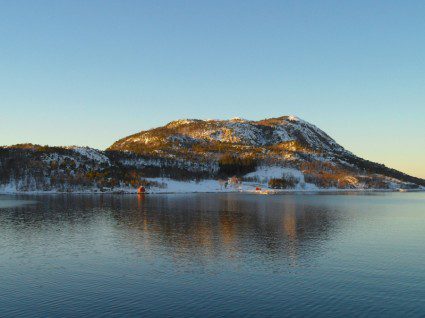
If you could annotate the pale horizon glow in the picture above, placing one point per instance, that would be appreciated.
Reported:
(91, 72)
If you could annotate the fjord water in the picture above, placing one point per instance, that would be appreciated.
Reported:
(211, 255)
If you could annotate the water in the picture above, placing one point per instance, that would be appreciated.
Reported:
(212, 255)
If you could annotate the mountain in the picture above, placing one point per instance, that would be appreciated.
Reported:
(286, 141)
(242, 136)
(284, 153)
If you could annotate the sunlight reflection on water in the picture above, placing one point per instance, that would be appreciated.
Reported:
(213, 255)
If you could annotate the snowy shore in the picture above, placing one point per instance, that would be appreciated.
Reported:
(168, 186)
(254, 182)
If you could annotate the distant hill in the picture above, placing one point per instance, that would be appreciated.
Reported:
(284, 152)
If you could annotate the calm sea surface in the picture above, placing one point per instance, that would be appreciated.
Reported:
(212, 255)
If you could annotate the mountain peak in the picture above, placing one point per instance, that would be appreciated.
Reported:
(240, 132)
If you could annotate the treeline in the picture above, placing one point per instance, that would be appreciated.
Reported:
(286, 182)
(39, 168)
(232, 165)
(32, 168)
(373, 167)
(154, 166)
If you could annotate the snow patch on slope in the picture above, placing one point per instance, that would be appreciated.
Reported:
(91, 154)
(265, 173)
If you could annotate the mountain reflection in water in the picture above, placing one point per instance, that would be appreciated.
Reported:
(213, 255)
(205, 229)
(195, 228)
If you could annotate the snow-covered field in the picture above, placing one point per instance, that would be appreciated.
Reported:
(174, 186)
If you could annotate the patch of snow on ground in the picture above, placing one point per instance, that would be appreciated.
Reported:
(92, 154)
(265, 173)
(205, 186)
(174, 186)
(282, 134)
(247, 133)
(293, 118)
(10, 187)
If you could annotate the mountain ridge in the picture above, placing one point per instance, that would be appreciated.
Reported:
(263, 132)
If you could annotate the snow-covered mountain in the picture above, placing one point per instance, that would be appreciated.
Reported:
(287, 142)
(244, 133)
(284, 152)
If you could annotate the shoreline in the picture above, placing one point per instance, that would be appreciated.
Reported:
(171, 186)
(271, 192)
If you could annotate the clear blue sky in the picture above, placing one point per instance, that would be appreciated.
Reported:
(91, 72)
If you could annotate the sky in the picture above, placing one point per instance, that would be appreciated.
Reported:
(91, 72)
